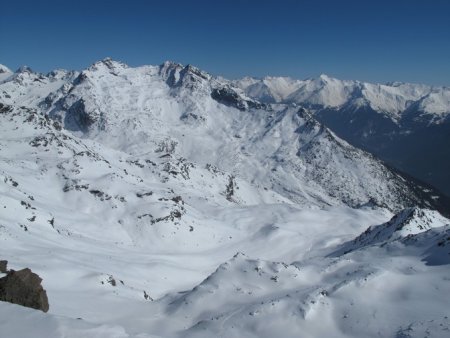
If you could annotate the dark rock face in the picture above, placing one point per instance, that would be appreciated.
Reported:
(229, 97)
(3, 266)
(24, 288)
(79, 116)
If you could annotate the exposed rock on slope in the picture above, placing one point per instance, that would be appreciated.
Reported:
(24, 288)
(3, 266)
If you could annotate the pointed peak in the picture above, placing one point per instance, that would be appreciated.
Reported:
(4, 69)
(404, 225)
(406, 215)
(109, 63)
(169, 67)
(171, 64)
(325, 78)
(57, 72)
(197, 71)
(24, 69)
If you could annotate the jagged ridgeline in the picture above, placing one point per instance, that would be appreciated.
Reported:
(208, 120)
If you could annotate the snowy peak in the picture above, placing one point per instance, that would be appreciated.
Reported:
(107, 64)
(24, 69)
(269, 89)
(177, 75)
(328, 92)
(61, 74)
(411, 221)
(4, 69)
(436, 103)
(5, 73)
(170, 72)
(404, 225)
(325, 78)
(240, 280)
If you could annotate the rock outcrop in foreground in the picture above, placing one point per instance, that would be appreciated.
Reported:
(24, 288)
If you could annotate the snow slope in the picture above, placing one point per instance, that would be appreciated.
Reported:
(163, 202)
(406, 125)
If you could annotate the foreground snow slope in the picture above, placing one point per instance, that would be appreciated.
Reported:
(161, 202)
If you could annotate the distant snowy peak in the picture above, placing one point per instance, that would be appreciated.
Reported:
(268, 89)
(4, 69)
(284, 89)
(405, 224)
(436, 102)
(328, 92)
(5, 73)
(324, 91)
(107, 64)
(24, 69)
(62, 74)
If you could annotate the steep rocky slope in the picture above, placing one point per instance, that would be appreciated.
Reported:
(406, 125)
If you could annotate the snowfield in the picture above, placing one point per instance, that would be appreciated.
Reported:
(164, 202)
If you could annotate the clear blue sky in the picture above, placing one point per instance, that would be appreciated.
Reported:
(376, 41)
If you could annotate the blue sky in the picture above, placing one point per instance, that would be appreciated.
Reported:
(375, 41)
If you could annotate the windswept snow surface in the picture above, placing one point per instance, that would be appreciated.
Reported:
(162, 202)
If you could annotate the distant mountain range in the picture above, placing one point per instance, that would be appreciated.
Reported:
(406, 125)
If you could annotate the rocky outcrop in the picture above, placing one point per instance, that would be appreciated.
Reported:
(24, 288)
(230, 97)
(3, 266)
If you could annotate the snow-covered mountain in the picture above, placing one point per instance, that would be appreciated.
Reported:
(405, 124)
(160, 201)
(404, 226)
(324, 91)
(183, 112)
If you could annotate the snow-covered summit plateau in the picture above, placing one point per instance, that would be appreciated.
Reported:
(161, 201)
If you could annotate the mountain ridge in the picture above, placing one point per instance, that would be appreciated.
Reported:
(285, 140)
(387, 120)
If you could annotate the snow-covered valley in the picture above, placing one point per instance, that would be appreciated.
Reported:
(164, 202)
